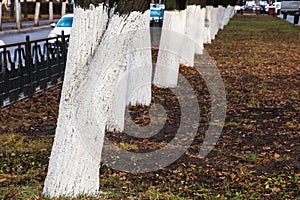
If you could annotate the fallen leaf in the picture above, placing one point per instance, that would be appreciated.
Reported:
(2, 180)
(276, 155)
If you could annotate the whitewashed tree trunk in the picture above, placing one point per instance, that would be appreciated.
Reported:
(18, 14)
(140, 66)
(37, 13)
(221, 17)
(0, 15)
(63, 8)
(200, 30)
(214, 23)
(73, 169)
(188, 52)
(167, 65)
(208, 24)
(98, 47)
(51, 11)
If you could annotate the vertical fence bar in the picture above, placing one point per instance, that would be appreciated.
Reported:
(29, 66)
(64, 55)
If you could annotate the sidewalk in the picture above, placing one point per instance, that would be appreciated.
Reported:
(290, 18)
(11, 27)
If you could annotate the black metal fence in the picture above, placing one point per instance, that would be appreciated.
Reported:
(31, 66)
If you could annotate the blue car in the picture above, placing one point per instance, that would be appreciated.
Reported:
(156, 12)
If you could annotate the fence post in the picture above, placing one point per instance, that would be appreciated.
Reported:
(64, 53)
(28, 64)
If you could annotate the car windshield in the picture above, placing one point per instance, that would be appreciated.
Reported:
(65, 22)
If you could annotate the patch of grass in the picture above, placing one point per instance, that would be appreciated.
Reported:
(251, 158)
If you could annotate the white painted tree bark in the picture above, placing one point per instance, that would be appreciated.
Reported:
(214, 23)
(37, 13)
(0, 15)
(188, 52)
(167, 65)
(18, 14)
(51, 11)
(63, 8)
(73, 169)
(140, 66)
(99, 48)
(208, 24)
(200, 30)
(221, 17)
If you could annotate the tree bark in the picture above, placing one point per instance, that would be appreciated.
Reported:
(25, 9)
(87, 97)
(63, 8)
(51, 11)
(12, 8)
(18, 14)
(37, 12)
(0, 15)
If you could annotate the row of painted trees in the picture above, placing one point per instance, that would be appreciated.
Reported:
(111, 68)
(16, 7)
(131, 5)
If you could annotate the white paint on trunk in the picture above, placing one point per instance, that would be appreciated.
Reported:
(188, 51)
(167, 65)
(134, 51)
(37, 13)
(214, 23)
(18, 14)
(208, 24)
(229, 13)
(72, 168)
(63, 8)
(200, 30)
(92, 97)
(140, 65)
(50, 11)
(221, 15)
(0, 15)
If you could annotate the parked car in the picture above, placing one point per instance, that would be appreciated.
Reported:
(276, 5)
(253, 8)
(156, 13)
(1, 44)
(64, 24)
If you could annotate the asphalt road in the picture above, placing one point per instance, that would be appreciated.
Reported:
(10, 34)
(34, 34)
(12, 25)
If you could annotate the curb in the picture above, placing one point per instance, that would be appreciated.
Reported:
(24, 30)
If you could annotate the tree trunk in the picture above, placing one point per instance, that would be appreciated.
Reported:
(0, 15)
(88, 96)
(12, 8)
(51, 11)
(18, 14)
(25, 9)
(37, 12)
(63, 8)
